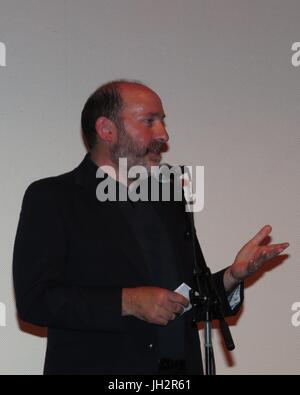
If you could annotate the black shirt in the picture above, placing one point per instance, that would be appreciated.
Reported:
(153, 235)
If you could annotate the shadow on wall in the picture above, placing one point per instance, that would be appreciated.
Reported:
(232, 321)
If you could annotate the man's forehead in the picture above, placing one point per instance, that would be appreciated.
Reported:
(134, 94)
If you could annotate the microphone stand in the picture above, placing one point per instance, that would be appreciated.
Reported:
(206, 303)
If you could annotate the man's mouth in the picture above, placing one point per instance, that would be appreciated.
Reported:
(156, 147)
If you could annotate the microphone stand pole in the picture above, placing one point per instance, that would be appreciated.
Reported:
(206, 303)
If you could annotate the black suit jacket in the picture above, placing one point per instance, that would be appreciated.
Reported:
(72, 257)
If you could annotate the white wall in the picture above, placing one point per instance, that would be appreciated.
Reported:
(224, 72)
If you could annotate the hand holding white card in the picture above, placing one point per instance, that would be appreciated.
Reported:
(184, 290)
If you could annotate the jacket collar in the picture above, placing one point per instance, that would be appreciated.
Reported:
(85, 173)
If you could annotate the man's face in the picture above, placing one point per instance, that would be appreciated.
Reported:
(142, 135)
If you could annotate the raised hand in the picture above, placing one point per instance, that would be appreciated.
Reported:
(252, 257)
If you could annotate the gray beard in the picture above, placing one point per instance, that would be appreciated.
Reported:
(125, 147)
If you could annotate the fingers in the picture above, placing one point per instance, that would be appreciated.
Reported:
(175, 297)
(166, 317)
(262, 234)
(265, 253)
(165, 314)
(172, 307)
(164, 306)
(159, 316)
(280, 247)
(178, 309)
(271, 251)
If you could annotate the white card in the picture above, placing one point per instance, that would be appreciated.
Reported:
(184, 290)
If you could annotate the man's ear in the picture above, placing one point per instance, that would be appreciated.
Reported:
(106, 130)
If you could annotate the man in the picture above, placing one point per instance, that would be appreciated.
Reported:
(101, 275)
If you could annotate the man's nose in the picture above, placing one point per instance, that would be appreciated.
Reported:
(161, 132)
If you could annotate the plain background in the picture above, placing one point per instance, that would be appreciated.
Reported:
(231, 95)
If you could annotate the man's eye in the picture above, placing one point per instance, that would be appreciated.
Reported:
(149, 121)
